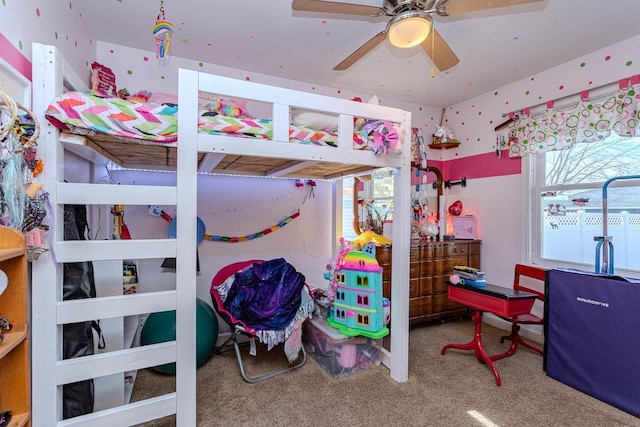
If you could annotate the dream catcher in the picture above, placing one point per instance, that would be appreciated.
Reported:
(162, 33)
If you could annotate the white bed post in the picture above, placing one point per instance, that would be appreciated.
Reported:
(186, 214)
(401, 237)
(46, 272)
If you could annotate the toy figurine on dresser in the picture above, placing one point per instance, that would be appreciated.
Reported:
(358, 305)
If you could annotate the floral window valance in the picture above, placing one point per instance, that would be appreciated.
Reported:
(587, 122)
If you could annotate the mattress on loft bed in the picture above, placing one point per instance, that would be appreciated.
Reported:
(87, 113)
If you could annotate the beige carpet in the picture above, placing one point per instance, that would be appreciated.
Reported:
(450, 390)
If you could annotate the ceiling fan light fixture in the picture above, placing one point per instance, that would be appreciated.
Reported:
(409, 28)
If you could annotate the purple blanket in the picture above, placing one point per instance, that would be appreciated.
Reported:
(267, 295)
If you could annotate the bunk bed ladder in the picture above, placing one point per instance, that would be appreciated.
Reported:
(50, 313)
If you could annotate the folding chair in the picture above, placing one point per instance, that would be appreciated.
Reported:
(220, 286)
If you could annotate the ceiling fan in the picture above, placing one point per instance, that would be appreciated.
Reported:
(410, 25)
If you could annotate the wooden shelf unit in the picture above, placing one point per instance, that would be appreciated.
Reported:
(15, 378)
(443, 145)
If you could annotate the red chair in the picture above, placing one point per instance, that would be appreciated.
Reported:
(537, 273)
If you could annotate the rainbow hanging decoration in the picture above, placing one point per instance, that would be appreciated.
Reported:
(156, 211)
(162, 33)
(262, 233)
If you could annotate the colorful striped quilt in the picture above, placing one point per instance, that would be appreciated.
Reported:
(86, 113)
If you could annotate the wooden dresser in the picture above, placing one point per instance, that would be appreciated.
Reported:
(430, 265)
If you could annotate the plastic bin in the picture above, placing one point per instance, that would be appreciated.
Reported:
(339, 354)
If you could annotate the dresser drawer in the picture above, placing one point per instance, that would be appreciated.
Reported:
(415, 252)
(474, 248)
(426, 268)
(440, 302)
(386, 272)
(456, 249)
(426, 305)
(440, 284)
(414, 287)
(452, 262)
(426, 285)
(414, 270)
(474, 261)
(438, 250)
(428, 250)
(414, 307)
(439, 267)
(383, 254)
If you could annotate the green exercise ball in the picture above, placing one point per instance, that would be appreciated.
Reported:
(161, 327)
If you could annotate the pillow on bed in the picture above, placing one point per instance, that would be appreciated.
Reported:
(314, 120)
(163, 98)
(324, 121)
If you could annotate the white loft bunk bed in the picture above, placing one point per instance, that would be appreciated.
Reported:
(51, 76)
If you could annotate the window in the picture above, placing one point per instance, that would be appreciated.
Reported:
(363, 300)
(362, 319)
(348, 231)
(362, 281)
(567, 201)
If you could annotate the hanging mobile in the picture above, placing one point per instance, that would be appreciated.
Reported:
(162, 33)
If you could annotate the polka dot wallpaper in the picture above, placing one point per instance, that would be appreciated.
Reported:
(138, 70)
(56, 23)
(472, 122)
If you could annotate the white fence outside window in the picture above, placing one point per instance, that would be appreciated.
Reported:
(570, 237)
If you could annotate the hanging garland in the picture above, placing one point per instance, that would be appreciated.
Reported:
(156, 211)
(287, 220)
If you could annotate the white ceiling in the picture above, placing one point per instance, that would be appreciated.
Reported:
(495, 47)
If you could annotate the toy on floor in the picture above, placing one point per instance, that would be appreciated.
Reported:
(358, 305)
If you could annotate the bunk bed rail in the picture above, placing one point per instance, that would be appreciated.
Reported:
(51, 76)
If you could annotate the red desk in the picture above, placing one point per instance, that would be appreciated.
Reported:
(492, 299)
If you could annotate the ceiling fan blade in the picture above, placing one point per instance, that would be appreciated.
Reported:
(335, 7)
(455, 7)
(361, 51)
(439, 51)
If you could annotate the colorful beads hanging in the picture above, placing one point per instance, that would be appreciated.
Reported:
(254, 235)
(162, 33)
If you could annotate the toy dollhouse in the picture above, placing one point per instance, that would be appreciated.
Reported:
(358, 303)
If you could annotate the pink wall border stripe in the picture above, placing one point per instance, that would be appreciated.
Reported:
(14, 57)
(485, 165)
